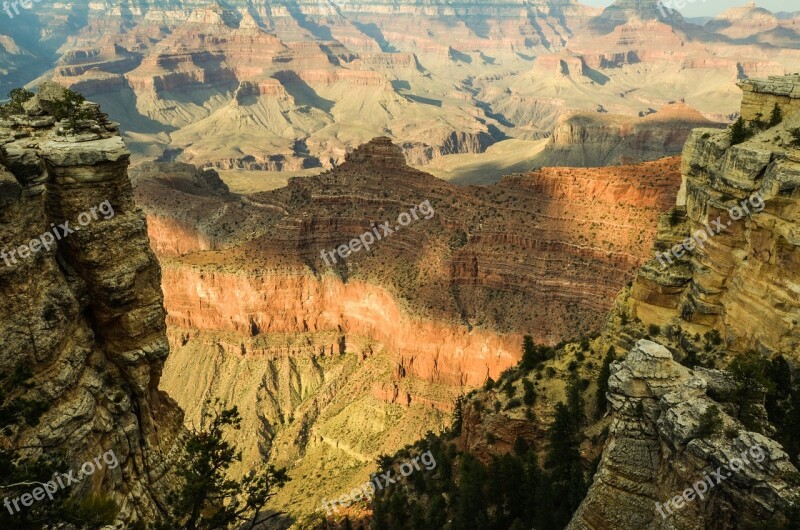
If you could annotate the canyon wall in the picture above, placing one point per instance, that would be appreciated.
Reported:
(596, 139)
(317, 352)
(83, 314)
(743, 281)
(294, 86)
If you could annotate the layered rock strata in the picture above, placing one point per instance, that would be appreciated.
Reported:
(84, 312)
(594, 139)
(334, 364)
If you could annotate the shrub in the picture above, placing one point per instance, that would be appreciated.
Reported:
(205, 496)
(529, 397)
(710, 423)
(70, 108)
(795, 136)
(653, 330)
(572, 366)
(514, 403)
(731, 432)
(18, 96)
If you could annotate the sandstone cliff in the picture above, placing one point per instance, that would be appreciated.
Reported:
(84, 315)
(741, 284)
(743, 281)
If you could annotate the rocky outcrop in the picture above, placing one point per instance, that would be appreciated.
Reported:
(742, 281)
(654, 454)
(761, 95)
(83, 306)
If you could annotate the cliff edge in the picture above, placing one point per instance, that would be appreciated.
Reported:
(83, 319)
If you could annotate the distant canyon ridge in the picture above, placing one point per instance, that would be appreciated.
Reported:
(293, 86)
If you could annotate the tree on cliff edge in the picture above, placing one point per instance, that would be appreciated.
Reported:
(207, 499)
(739, 132)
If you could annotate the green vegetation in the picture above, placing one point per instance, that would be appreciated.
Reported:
(710, 423)
(511, 491)
(740, 132)
(602, 380)
(71, 109)
(18, 96)
(206, 498)
(529, 396)
(795, 136)
(752, 385)
(776, 117)
(533, 354)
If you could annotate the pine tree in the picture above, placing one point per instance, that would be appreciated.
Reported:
(752, 385)
(575, 403)
(602, 380)
(207, 499)
(776, 117)
(529, 353)
(739, 132)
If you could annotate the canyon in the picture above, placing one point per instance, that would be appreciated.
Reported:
(741, 287)
(333, 365)
(246, 148)
(295, 85)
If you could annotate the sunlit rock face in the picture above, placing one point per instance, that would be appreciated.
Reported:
(85, 312)
(382, 342)
(296, 86)
(743, 281)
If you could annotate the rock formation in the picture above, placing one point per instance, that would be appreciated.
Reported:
(596, 139)
(654, 453)
(742, 282)
(83, 313)
(670, 428)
